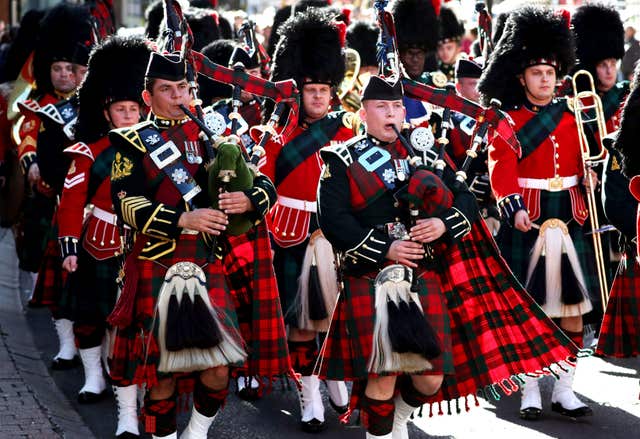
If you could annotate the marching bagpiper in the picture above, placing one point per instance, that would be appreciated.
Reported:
(411, 302)
(176, 292)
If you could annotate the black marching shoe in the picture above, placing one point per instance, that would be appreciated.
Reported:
(64, 364)
(248, 388)
(530, 413)
(128, 435)
(90, 397)
(573, 413)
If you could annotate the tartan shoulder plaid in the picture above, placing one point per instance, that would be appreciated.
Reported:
(306, 144)
(498, 120)
(614, 98)
(539, 127)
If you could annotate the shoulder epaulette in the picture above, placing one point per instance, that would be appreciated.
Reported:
(81, 149)
(51, 111)
(342, 150)
(28, 106)
(130, 135)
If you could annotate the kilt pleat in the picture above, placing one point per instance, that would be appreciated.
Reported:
(90, 292)
(51, 276)
(287, 263)
(620, 330)
(249, 271)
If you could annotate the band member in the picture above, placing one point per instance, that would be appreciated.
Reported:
(417, 35)
(401, 330)
(176, 292)
(110, 97)
(620, 331)
(467, 74)
(599, 36)
(65, 41)
(310, 52)
(460, 137)
(451, 33)
(539, 188)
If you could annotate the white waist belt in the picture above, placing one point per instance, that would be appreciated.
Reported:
(549, 184)
(307, 206)
(105, 216)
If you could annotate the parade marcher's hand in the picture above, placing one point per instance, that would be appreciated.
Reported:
(33, 176)
(405, 252)
(204, 220)
(235, 202)
(522, 221)
(70, 263)
(493, 224)
(592, 180)
(427, 230)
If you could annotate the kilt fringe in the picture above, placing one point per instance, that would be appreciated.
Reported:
(186, 282)
(318, 254)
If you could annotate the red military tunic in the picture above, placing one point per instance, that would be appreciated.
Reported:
(29, 129)
(102, 238)
(558, 160)
(290, 217)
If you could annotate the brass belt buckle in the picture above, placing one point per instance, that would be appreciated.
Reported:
(555, 184)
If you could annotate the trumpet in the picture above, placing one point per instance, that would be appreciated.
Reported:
(588, 111)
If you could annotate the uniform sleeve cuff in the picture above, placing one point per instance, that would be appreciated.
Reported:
(370, 250)
(27, 160)
(260, 200)
(509, 205)
(456, 223)
(68, 246)
(163, 223)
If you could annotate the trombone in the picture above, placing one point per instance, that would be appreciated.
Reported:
(350, 87)
(587, 108)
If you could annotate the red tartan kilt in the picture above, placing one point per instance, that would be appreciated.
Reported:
(51, 277)
(349, 342)
(620, 330)
(248, 268)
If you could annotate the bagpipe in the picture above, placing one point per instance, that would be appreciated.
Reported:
(403, 337)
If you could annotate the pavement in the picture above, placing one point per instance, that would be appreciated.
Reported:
(39, 403)
(31, 404)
